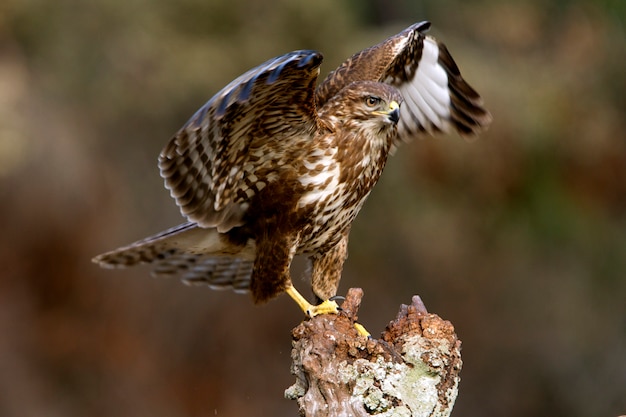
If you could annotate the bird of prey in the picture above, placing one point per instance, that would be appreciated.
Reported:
(273, 166)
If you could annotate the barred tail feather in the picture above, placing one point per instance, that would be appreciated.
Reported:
(195, 255)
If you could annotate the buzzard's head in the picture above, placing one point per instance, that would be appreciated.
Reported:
(366, 106)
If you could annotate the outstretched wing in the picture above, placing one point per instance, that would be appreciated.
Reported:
(435, 94)
(221, 157)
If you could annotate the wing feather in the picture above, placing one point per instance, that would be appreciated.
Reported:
(436, 95)
(207, 165)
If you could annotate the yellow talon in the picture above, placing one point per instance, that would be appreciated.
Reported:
(327, 307)
(362, 330)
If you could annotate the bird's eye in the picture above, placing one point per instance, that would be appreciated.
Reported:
(372, 101)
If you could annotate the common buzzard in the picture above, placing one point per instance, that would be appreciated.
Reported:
(272, 167)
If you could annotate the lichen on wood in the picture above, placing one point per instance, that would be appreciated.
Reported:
(412, 370)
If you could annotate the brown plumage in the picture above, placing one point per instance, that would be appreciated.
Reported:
(270, 167)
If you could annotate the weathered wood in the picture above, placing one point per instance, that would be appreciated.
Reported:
(412, 370)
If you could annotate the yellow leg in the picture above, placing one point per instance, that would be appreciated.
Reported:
(327, 307)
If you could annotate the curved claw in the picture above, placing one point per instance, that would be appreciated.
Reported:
(339, 299)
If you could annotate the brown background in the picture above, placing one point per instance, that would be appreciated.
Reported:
(518, 238)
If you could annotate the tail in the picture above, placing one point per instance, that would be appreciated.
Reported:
(193, 254)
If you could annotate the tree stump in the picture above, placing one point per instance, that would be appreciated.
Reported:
(412, 370)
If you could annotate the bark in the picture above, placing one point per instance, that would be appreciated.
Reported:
(412, 370)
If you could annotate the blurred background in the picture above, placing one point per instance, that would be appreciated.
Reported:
(518, 238)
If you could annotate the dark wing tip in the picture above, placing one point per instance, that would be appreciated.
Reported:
(240, 90)
(468, 115)
(302, 59)
(421, 27)
(310, 57)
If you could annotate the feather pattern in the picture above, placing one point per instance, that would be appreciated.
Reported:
(421, 68)
(272, 166)
(194, 254)
(233, 143)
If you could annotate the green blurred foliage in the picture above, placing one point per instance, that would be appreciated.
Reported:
(519, 238)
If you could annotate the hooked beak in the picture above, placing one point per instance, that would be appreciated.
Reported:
(394, 112)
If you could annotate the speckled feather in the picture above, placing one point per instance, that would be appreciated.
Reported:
(271, 167)
(238, 141)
